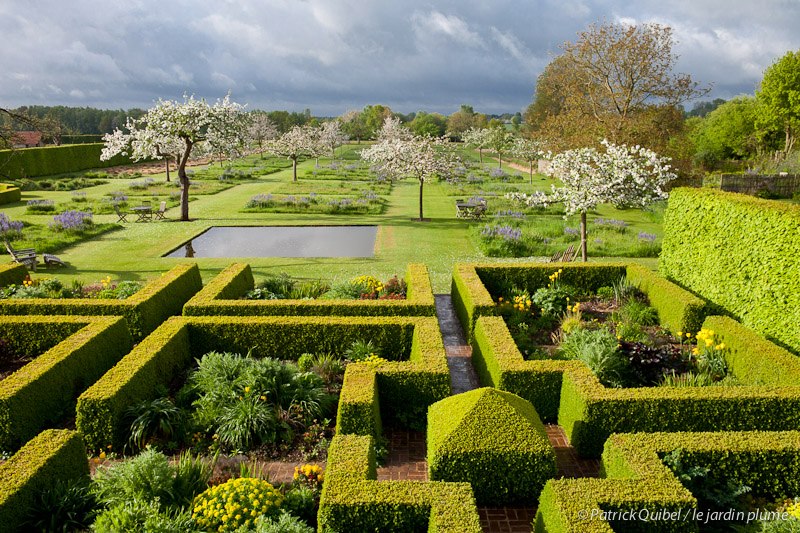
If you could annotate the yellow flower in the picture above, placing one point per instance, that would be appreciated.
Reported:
(247, 389)
(102, 455)
(721, 346)
(680, 334)
(709, 342)
(695, 351)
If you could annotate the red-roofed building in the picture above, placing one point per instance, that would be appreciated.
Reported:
(27, 139)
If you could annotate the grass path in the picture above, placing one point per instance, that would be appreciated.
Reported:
(136, 251)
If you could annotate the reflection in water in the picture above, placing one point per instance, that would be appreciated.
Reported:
(281, 241)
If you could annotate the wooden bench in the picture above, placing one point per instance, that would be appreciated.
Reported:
(23, 256)
(567, 256)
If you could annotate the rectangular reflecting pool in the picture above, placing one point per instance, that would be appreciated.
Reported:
(280, 241)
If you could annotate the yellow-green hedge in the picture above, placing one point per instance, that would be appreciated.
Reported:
(79, 350)
(740, 253)
(405, 386)
(12, 274)
(144, 311)
(222, 297)
(636, 478)
(474, 284)
(353, 501)
(9, 193)
(494, 441)
(53, 455)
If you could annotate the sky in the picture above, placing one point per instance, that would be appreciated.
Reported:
(335, 55)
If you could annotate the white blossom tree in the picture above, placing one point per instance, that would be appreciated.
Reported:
(500, 140)
(529, 151)
(183, 127)
(295, 143)
(478, 138)
(331, 136)
(393, 129)
(627, 176)
(409, 156)
(261, 129)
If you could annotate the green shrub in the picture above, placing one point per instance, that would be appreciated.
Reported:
(353, 501)
(138, 515)
(740, 253)
(79, 350)
(597, 348)
(64, 506)
(50, 456)
(221, 296)
(678, 309)
(144, 311)
(636, 478)
(493, 440)
(415, 376)
(230, 505)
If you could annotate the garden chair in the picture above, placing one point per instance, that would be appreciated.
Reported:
(51, 260)
(121, 215)
(567, 256)
(161, 210)
(478, 211)
(23, 256)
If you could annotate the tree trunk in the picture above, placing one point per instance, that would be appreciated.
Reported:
(184, 180)
(499, 159)
(421, 183)
(294, 169)
(584, 255)
(166, 160)
(480, 154)
(531, 163)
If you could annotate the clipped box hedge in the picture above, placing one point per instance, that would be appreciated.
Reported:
(635, 478)
(739, 252)
(494, 441)
(49, 160)
(590, 412)
(222, 297)
(9, 193)
(405, 386)
(353, 501)
(12, 274)
(144, 311)
(53, 455)
(474, 284)
(71, 353)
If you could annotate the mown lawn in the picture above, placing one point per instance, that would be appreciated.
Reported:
(135, 251)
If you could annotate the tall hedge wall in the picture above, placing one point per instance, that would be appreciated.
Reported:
(222, 296)
(741, 253)
(9, 194)
(48, 160)
(52, 455)
(155, 302)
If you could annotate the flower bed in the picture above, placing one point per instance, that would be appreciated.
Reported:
(367, 203)
(54, 289)
(224, 296)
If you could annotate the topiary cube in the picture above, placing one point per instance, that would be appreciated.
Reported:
(493, 440)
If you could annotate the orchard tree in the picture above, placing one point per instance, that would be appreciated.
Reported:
(430, 124)
(627, 176)
(393, 129)
(500, 140)
(295, 143)
(182, 126)
(779, 97)
(478, 138)
(463, 120)
(354, 126)
(331, 136)
(529, 150)
(261, 129)
(420, 157)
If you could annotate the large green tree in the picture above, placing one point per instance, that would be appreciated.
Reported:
(779, 97)
(728, 131)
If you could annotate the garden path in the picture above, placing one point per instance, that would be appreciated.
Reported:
(459, 354)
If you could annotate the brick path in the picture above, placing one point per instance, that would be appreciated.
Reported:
(406, 459)
(459, 354)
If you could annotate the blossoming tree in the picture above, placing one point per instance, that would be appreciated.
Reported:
(298, 141)
(172, 127)
(331, 136)
(627, 176)
(529, 150)
(261, 129)
(478, 138)
(401, 154)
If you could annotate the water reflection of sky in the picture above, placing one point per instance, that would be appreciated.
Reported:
(281, 241)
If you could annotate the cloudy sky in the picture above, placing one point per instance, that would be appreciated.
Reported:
(335, 55)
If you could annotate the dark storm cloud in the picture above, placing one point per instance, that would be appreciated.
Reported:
(334, 55)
